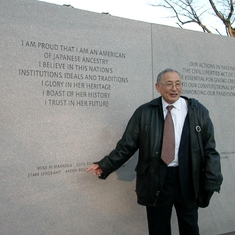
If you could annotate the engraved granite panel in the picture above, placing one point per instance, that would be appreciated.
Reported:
(70, 80)
(206, 63)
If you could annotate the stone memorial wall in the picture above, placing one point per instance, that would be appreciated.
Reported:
(70, 80)
(206, 63)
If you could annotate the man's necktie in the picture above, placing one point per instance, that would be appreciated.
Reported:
(168, 144)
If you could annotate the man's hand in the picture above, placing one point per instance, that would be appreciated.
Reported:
(96, 169)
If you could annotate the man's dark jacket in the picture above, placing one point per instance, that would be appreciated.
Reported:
(145, 131)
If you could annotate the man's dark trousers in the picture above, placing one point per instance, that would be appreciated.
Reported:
(175, 190)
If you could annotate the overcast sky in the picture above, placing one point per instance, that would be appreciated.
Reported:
(131, 9)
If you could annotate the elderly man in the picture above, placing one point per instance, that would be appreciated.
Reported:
(177, 156)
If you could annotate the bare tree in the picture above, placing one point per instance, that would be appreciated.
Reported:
(188, 11)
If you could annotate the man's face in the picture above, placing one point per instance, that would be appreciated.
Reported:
(170, 87)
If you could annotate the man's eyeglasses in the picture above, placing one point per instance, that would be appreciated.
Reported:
(170, 85)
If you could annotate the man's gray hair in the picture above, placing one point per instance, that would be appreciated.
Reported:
(161, 74)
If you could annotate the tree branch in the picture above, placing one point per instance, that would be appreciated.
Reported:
(185, 12)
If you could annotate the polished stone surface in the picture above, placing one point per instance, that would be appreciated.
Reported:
(70, 80)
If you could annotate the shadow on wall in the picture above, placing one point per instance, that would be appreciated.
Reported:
(127, 171)
(231, 233)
